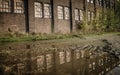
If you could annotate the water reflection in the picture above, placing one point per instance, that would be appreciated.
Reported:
(55, 61)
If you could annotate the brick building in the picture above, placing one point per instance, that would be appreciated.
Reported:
(49, 16)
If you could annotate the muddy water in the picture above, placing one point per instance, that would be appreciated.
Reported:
(36, 59)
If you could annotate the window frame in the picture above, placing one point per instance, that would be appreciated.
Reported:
(81, 15)
(5, 8)
(76, 12)
(89, 16)
(66, 13)
(40, 10)
(47, 14)
(18, 6)
(60, 12)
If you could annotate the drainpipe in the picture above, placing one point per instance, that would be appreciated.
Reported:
(52, 16)
(26, 11)
(71, 16)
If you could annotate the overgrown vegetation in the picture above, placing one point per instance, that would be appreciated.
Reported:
(17, 37)
(108, 21)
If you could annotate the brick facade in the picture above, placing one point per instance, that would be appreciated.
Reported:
(27, 22)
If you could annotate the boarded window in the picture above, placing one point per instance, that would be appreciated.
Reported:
(66, 13)
(76, 14)
(5, 6)
(60, 12)
(47, 11)
(38, 9)
(18, 6)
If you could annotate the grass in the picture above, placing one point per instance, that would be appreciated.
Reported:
(17, 37)
(20, 38)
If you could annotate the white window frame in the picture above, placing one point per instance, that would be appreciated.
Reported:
(38, 10)
(60, 12)
(47, 10)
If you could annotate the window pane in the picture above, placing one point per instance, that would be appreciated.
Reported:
(81, 15)
(91, 1)
(5, 6)
(60, 12)
(18, 6)
(88, 15)
(66, 13)
(47, 11)
(92, 16)
(76, 14)
(88, 0)
(38, 9)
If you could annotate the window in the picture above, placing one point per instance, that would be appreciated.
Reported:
(100, 2)
(47, 11)
(88, 0)
(97, 2)
(89, 16)
(92, 1)
(81, 15)
(68, 56)
(5, 6)
(76, 14)
(18, 6)
(77, 52)
(38, 9)
(92, 16)
(66, 13)
(49, 61)
(40, 63)
(60, 12)
(62, 57)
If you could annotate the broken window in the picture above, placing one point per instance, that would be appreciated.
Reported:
(92, 16)
(40, 63)
(88, 0)
(66, 13)
(49, 61)
(81, 15)
(38, 9)
(77, 54)
(77, 14)
(89, 16)
(68, 56)
(62, 57)
(47, 11)
(18, 6)
(5, 5)
(60, 12)
(92, 1)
